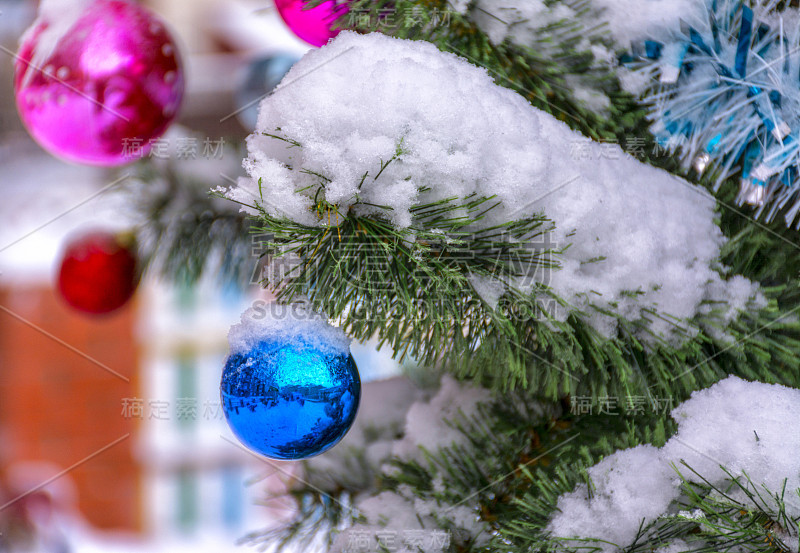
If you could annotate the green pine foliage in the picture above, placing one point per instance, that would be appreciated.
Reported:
(759, 251)
(413, 289)
(519, 457)
(510, 472)
(185, 233)
(422, 304)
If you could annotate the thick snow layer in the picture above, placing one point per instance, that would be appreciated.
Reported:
(746, 427)
(640, 237)
(288, 323)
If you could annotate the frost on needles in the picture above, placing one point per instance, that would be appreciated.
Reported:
(636, 238)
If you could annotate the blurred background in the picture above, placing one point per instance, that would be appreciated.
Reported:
(111, 432)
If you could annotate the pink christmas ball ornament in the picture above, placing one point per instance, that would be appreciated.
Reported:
(96, 81)
(314, 25)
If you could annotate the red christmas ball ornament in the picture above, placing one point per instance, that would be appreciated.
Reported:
(314, 25)
(97, 80)
(98, 272)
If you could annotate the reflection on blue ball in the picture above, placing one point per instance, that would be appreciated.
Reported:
(290, 400)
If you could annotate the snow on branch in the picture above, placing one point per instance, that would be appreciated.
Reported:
(371, 126)
(735, 429)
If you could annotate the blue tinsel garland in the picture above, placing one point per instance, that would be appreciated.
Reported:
(728, 95)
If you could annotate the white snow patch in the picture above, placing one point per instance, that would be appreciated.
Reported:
(736, 424)
(427, 422)
(289, 323)
(631, 21)
(677, 546)
(518, 20)
(640, 237)
(489, 289)
(527, 23)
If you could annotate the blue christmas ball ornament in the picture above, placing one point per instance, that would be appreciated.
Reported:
(289, 393)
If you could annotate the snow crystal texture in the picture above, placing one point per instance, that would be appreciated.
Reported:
(640, 237)
(289, 323)
(736, 424)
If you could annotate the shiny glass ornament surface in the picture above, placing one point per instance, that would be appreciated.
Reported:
(100, 90)
(98, 272)
(290, 400)
(259, 79)
(314, 25)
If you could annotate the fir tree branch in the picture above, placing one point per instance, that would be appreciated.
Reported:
(185, 233)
